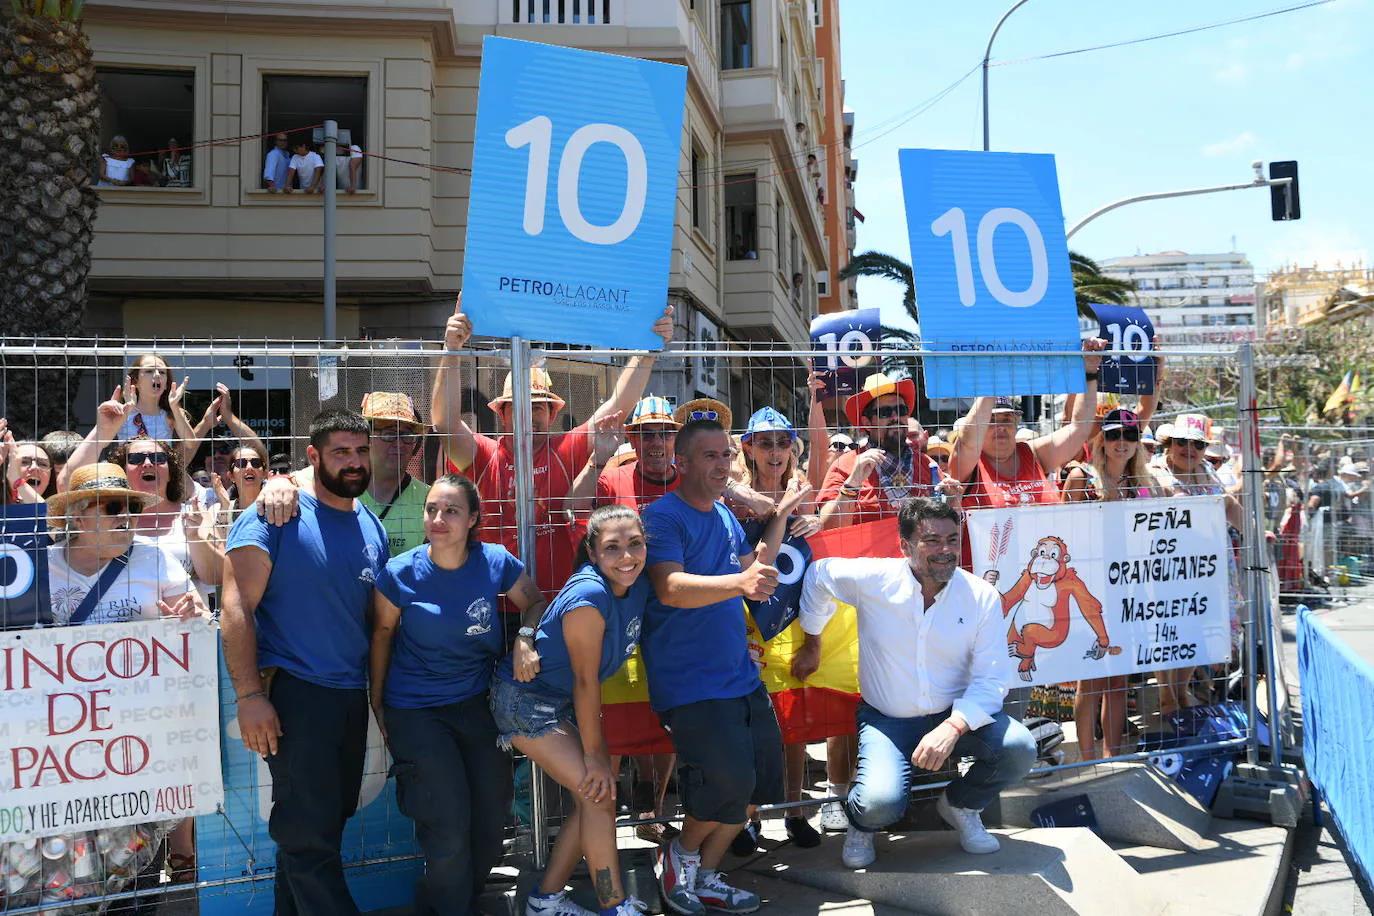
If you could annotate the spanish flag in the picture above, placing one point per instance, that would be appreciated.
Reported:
(824, 706)
(630, 725)
(1344, 393)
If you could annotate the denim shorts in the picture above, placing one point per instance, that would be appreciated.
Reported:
(524, 711)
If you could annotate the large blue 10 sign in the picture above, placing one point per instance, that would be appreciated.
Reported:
(991, 268)
(574, 191)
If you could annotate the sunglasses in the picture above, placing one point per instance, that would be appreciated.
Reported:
(281, 469)
(1130, 434)
(1194, 444)
(114, 507)
(703, 415)
(248, 463)
(134, 459)
(843, 446)
(892, 410)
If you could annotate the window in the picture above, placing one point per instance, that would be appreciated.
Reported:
(701, 191)
(797, 263)
(696, 187)
(575, 12)
(736, 34)
(151, 115)
(741, 217)
(292, 104)
(780, 227)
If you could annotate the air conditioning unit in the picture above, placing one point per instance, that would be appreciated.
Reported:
(822, 283)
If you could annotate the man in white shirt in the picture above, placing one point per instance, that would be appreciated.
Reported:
(933, 666)
(309, 167)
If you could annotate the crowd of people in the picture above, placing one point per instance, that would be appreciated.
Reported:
(349, 588)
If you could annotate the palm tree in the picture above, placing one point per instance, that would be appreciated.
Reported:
(1089, 283)
(49, 136)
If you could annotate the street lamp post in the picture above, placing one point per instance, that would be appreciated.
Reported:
(987, 56)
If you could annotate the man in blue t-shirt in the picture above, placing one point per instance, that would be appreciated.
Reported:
(702, 682)
(296, 645)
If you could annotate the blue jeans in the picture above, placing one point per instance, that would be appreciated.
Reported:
(1003, 753)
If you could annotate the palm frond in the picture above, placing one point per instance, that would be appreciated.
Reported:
(887, 267)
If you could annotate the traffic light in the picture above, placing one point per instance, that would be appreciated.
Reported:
(1283, 199)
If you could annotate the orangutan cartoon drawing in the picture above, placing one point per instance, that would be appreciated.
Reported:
(1038, 605)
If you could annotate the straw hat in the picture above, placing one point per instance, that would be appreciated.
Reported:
(541, 389)
(652, 409)
(391, 407)
(875, 386)
(704, 409)
(90, 482)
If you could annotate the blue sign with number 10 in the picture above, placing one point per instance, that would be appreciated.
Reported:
(991, 267)
(574, 190)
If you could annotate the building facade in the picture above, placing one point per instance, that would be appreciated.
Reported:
(1183, 291)
(199, 247)
(1298, 297)
(838, 168)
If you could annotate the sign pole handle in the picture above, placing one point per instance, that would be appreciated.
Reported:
(1253, 550)
(522, 421)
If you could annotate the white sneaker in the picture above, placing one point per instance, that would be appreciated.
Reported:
(858, 849)
(560, 905)
(833, 818)
(973, 836)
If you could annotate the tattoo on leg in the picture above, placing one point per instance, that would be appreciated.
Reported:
(605, 889)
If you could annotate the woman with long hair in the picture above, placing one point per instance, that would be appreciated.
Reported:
(551, 711)
(436, 636)
(27, 470)
(1117, 469)
(155, 409)
(767, 463)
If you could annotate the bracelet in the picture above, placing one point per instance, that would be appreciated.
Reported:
(250, 696)
(1090, 376)
(849, 491)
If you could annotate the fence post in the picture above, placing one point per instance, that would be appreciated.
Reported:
(1256, 572)
(523, 450)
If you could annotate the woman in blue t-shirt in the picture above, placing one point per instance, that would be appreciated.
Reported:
(553, 716)
(436, 637)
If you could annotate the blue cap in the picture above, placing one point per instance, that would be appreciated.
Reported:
(768, 420)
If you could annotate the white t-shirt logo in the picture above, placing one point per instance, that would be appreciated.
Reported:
(479, 612)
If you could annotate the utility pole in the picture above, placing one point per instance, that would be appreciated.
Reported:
(987, 56)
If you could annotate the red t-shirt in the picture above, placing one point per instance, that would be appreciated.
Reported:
(1028, 486)
(626, 486)
(872, 503)
(557, 460)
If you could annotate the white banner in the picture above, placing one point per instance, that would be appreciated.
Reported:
(108, 725)
(1107, 588)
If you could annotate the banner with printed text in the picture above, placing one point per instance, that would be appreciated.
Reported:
(108, 725)
(1108, 588)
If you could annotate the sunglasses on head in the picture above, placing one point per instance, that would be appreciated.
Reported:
(892, 410)
(703, 415)
(248, 463)
(1129, 433)
(135, 459)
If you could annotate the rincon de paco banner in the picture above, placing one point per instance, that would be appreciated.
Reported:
(1098, 589)
(108, 725)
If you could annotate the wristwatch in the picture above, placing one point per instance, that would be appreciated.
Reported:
(526, 632)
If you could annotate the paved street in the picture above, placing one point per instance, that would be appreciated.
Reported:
(1321, 881)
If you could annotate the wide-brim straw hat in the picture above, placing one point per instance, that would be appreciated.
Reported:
(541, 389)
(875, 386)
(704, 409)
(391, 407)
(92, 482)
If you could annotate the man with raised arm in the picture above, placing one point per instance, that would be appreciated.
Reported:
(560, 459)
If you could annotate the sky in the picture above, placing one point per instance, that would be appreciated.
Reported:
(1181, 112)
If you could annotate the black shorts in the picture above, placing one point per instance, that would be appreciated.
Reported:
(729, 755)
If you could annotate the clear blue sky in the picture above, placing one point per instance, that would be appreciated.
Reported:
(1187, 111)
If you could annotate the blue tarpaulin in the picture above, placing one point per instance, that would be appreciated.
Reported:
(1338, 732)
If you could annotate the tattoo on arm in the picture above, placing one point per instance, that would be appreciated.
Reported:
(605, 889)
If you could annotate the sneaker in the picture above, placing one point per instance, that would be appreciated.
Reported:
(801, 833)
(558, 904)
(973, 836)
(746, 842)
(833, 818)
(717, 895)
(858, 849)
(629, 907)
(677, 880)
